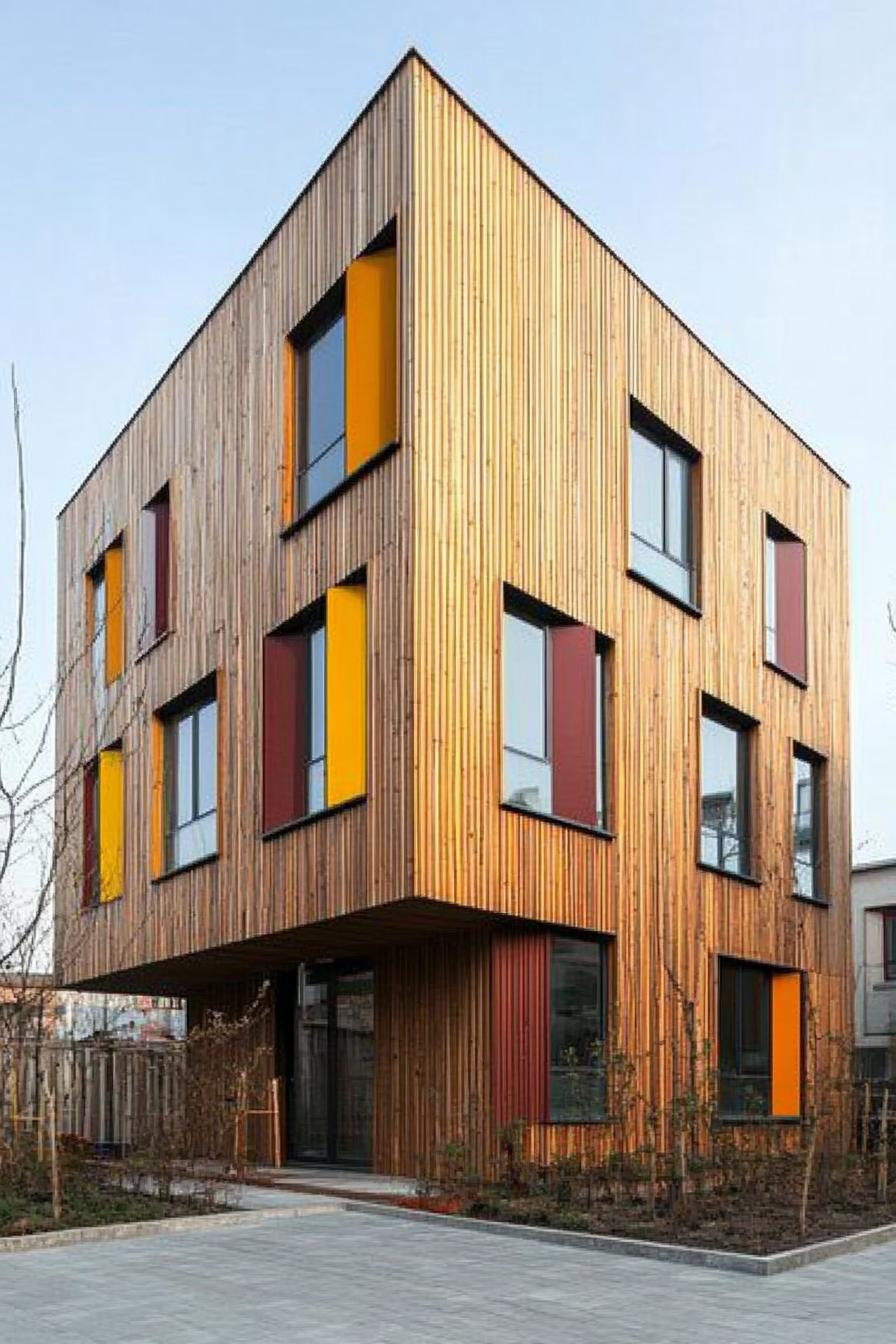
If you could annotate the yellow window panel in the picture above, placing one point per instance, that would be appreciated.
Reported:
(114, 614)
(346, 678)
(787, 1043)
(371, 359)
(111, 837)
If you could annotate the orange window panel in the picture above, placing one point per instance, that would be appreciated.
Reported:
(371, 357)
(787, 1043)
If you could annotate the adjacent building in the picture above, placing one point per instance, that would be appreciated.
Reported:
(874, 954)
(451, 641)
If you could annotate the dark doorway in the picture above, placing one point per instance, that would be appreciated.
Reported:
(330, 1081)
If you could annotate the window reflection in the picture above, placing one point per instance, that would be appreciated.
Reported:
(661, 530)
(723, 773)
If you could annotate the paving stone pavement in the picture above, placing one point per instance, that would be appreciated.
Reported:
(357, 1278)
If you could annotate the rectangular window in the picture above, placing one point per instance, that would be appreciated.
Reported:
(662, 532)
(725, 794)
(785, 600)
(744, 1039)
(315, 708)
(527, 766)
(577, 1030)
(342, 371)
(554, 690)
(103, 875)
(760, 1041)
(155, 530)
(91, 885)
(807, 771)
(320, 410)
(890, 944)
(191, 782)
(105, 617)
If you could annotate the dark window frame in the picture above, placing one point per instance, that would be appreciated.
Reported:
(739, 1076)
(889, 944)
(745, 727)
(185, 707)
(597, 1073)
(526, 608)
(650, 427)
(313, 328)
(90, 895)
(816, 765)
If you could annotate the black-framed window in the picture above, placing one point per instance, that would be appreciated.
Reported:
(191, 783)
(744, 1040)
(320, 402)
(725, 790)
(890, 944)
(527, 757)
(578, 997)
(807, 796)
(555, 754)
(662, 509)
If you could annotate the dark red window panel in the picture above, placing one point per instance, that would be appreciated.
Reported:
(520, 971)
(574, 723)
(790, 600)
(162, 511)
(284, 729)
(90, 877)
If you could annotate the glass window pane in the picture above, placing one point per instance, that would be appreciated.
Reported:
(771, 612)
(647, 489)
(527, 781)
(722, 830)
(183, 773)
(194, 841)
(804, 839)
(99, 628)
(326, 389)
(207, 783)
(525, 686)
(662, 570)
(577, 1031)
(323, 476)
(744, 1040)
(317, 694)
(316, 786)
(678, 523)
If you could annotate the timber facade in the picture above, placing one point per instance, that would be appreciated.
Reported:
(453, 643)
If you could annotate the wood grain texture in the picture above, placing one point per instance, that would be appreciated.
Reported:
(521, 340)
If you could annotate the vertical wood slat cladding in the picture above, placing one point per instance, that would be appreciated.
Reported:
(213, 429)
(521, 340)
(531, 342)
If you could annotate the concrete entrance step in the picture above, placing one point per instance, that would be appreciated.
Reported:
(345, 1181)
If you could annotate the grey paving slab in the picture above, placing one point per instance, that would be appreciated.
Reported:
(353, 1278)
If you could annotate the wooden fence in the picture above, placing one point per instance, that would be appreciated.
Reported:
(111, 1093)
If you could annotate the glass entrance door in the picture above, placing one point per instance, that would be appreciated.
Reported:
(331, 1118)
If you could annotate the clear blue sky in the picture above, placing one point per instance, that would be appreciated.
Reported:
(742, 157)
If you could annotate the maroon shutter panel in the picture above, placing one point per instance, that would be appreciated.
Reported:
(90, 845)
(790, 596)
(284, 729)
(574, 723)
(161, 511)
(520, 971)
